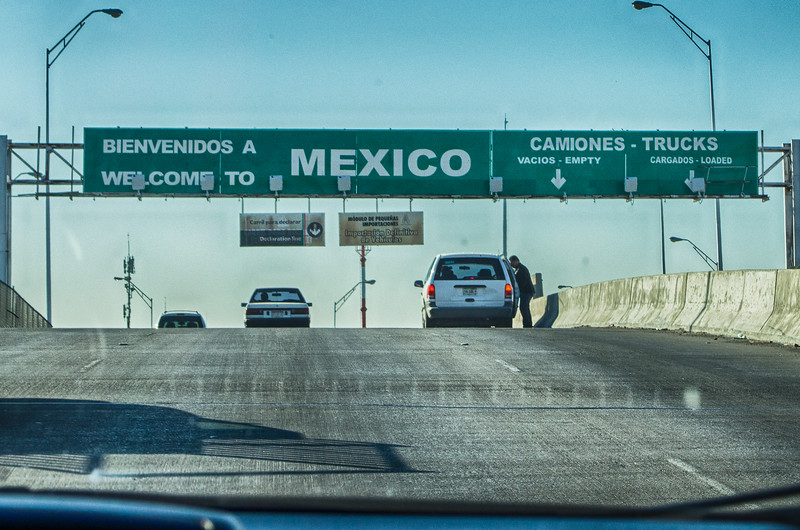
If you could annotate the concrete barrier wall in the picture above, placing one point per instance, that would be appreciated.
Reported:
(761, 305)
(15, 312)
(695, 300)
(783, 325)
(656, 301)
(572, 305)
(739, 303)
(610, 302)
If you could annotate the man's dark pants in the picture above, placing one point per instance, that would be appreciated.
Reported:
(525, 309)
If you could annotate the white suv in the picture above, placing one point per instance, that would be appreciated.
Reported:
(469, 289)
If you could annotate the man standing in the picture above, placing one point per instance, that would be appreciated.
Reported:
(525, 286)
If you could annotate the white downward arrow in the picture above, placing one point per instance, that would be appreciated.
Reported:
(696, 185)
(688, 181)
(558, 180)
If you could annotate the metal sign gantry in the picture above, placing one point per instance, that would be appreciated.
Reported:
(33, 177)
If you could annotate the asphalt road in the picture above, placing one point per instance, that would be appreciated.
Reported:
(604, 416)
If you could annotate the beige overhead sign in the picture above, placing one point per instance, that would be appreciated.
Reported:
(384, 228)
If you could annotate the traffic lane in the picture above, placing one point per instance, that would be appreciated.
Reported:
(244, 366)
(612, 455)
(460, 366)
(577, 368)
(659, 368)
(441, 403)
(620, 457)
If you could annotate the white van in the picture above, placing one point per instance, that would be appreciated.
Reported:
(469, 289)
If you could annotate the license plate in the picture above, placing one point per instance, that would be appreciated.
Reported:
(469, 291)
(276, 314)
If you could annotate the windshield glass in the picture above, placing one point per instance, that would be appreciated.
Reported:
(482, 251)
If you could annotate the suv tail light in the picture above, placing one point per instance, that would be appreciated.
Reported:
(431, 292)
(509, 292)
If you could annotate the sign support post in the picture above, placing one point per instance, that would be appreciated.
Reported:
(5, 211)
(795, 181)
(363, 287)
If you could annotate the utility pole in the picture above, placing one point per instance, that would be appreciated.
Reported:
(130, 288)
(127, 270)
(505, 204)
(364, 252)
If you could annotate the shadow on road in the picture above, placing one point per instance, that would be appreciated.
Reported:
(74, 436)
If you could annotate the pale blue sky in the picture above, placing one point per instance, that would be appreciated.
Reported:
(403, 65)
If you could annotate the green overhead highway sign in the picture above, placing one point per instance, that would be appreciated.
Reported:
(625, 163)
(418, 163)
(287, 162)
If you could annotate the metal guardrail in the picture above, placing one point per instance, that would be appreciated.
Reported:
(15, 312)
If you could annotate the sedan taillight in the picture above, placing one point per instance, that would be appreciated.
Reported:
(253, 311)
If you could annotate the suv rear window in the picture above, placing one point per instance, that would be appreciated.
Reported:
(469, 269)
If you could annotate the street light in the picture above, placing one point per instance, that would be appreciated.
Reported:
(340, 302)
(565, 287)
(710, 262)
(689, 32)
(61, 45)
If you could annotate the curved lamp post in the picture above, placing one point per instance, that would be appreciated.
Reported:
(689, 32)
(694, 37)
(59, 47)
(340, 302)
(710, 262)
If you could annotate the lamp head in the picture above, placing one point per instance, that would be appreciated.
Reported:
(676, 239)
(371, 282)
(115, 13)
(642, 5)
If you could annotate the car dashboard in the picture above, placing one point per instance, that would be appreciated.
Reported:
(89, 510)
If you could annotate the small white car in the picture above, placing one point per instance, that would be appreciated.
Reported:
(181, 319)
(277, 307)
(469, 289)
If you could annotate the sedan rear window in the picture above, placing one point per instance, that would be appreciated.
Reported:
(181, 322)
(469, 269)
(277, 295)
